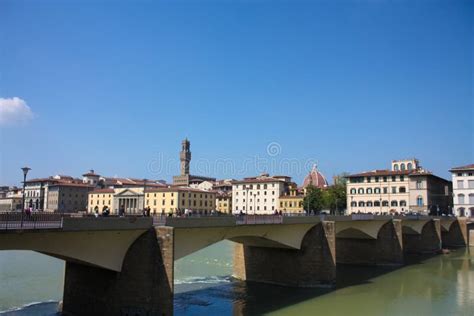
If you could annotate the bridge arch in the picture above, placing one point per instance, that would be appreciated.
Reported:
(289, 236)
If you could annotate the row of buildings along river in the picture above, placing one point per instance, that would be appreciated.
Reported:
(405, 187)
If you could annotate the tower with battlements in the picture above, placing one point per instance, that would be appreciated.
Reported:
(185, 156)
(185, 178)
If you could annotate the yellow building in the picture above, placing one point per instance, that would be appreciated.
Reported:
(100, 199)
(178, 199)
(160, 200)
(292, 202)
(224, 202)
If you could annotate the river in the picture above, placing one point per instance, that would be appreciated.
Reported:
(31, 284)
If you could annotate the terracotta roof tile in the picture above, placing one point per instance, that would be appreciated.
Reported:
(466, 167)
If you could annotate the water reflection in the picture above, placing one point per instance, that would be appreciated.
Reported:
(439, 285)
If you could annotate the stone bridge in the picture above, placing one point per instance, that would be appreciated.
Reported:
(125, 266)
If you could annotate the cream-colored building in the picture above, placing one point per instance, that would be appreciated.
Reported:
(101, 199)
(258, 195)
(406, 187)
(463, 190)
(160, 200)
(8, 204)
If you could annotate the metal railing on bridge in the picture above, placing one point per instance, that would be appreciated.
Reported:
(35, 220)
(161, 220)
(258, 219)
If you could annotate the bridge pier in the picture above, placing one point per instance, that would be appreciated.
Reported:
(143, 287)
(387, 249)
(428, 241)
(454, 232)
(311, 266)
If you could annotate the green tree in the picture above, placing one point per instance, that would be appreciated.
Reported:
(335, 198)
(314, 200)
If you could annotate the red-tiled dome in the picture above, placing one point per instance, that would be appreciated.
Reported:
(315, 178)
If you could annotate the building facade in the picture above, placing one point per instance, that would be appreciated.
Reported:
(224, 202)
(37, 190)
(160, 200)
(259, 195)
(406, 187)
(68, 197)
(463, 190)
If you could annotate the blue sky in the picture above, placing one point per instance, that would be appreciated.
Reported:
(116, 85)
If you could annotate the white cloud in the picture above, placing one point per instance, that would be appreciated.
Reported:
(14, 111)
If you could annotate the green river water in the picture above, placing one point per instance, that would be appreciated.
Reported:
(31, 284)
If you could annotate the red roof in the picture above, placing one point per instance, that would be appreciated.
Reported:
(315, 178)
(69, 184)
(178, 189)
(381, 173)
(102, 191)
(466, 167)
(258, 180)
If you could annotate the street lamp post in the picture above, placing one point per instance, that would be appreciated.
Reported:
(25, 172)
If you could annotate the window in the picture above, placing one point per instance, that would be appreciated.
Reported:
(394, 189)
(377, 190)
(402, 167)
(394, 203)
(376, 179)
(402, 178)
(402, 190)
(368, 179)
(471, 198)
(403, 203)
(461, 198)
(361, 203)
(384, 179)
(377, 203)
(384, 203)
(394, 178)
(395, 167)
(470, 184)
(369, 190)
(460, 184)
(419, 200)
(361, 191)
(353, 191)
(459, 174)
(353, 204)
(385, 190)
(419, 184)
(410, 166)
(369, 203)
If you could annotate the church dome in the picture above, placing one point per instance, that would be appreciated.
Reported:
(315, 178)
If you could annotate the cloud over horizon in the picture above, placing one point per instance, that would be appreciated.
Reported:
(14, 111)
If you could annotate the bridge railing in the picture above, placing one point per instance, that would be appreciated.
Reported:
(19, 220)
(259, 219)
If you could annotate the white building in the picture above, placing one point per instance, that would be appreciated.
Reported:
(463, 190)
(406, 187)
(258, 195)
